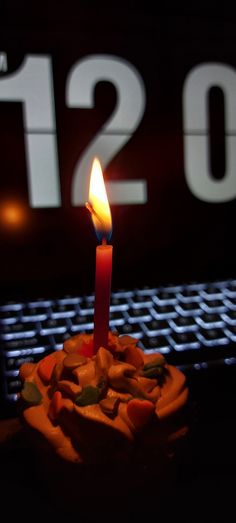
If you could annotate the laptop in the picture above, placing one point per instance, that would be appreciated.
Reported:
(153, 97)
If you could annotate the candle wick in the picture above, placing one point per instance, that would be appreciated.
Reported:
(92, 210)
(94, 213)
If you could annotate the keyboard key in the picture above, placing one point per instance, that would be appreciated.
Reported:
(141, 301)
(52, 326)
(230, 332)
(117, 303)
(231, 303)
(11, 306)
(191, 308)
(40, 302)
(207, 320)
(18, 344)
(86, 307)
(230, 289)
(63, 310)
(18, 330)
(188, 295)
(172, 288)
(183, 324)
(117, 318)
(79, 323)
(217, 306)
(229, 317)
(211, 337)
(165, 297)
(28, 346)
(134, 329)
(154, 327)
(158, 343)
(9, 317)
(181, 341)
(15, 363)
(230, 361)
(82, 320)
(59, 338)
(146, 291)
(124, 293)
(14, 386)
(164, 311)
(212, 292)
(69, 300)
(139, 314)
(34, 313)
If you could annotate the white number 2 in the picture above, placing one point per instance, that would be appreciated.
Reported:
(118, 129)
(32, 84)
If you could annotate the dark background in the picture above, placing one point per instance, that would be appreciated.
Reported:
(175, 236)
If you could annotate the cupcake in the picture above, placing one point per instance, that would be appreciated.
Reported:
(104, 423)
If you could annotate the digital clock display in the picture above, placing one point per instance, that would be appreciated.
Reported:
(154, 98)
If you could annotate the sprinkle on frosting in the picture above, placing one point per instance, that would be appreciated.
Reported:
(83, 402)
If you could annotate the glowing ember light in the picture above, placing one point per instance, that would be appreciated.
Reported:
(13, 215)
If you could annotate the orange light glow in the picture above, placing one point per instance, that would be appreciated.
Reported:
(13, 215)
(98, 203)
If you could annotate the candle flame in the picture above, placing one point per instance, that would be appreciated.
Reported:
(98, 203)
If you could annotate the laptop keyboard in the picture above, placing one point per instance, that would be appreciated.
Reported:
(193, 326)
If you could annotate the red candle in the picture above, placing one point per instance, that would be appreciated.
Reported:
(101, 216)
(102, 295)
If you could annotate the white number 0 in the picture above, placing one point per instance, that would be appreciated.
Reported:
(32, 85)
(196, 132)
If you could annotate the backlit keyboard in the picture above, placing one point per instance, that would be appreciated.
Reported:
(193, 326)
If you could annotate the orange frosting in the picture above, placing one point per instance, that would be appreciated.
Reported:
(106, 404)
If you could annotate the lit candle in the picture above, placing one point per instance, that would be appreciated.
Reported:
(98, 205)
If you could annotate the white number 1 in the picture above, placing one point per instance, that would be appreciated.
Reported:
(33, 86)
